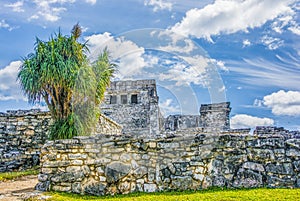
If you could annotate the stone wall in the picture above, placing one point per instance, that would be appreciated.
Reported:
(22, 134)
(180, 122)
(107, 126)
(109, 164)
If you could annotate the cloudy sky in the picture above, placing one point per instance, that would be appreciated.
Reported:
(243, 51)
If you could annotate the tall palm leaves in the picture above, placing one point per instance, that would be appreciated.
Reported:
(59, 73)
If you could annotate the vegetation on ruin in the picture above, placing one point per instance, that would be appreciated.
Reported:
(60, 74)
(211, 194)
(14, 175)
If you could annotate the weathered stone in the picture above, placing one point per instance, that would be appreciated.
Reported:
(76, 187)
(296, 165)
(125, 157)
(282, 182)
(198, 177)
(42, 177)
(124, 187)
(293, 153)
(62, 188)
(140, 172)
(95, 189)
(77, 156)
(150, 188)
(43, 186)
(181, 183)
(116, 171)
(254, 166)
(219, 181)
(247, 179)
(100, 170)
(284, 168)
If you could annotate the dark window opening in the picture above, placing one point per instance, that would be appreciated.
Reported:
(151, 93)
(124, 99)
(113, 100)
(134, 98)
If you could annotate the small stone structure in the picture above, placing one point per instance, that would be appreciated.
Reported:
(22, 134)
(134, 105)
(102, 164)
(215, 117)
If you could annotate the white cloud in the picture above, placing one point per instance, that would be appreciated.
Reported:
(295, 29)
(128, 54)
(220, 64)
(261, 72)
(50, 10)
(257, 103)
(93, 2)
(246, 43)
(158, 5)
(16, 7)
(272, 43)
(5, 25)
(169, 107)
(185, 75)
(9, 88)
(279, 24)
(247, 121)
(230, 16)
(283, 103)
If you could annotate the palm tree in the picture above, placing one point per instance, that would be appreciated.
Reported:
(59, 73)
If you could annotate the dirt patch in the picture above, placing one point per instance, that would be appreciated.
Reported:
(15, 190)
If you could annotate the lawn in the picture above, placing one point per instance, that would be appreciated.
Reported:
(14, 175)
(216, 194)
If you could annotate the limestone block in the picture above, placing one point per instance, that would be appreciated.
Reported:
(124, 187)
(76, 187)
(296, 165)
(140, 172)
(43, 177)
(43, 186)
(116, 171)
(247, 179)
(293, 143)
(95, 188)
(261, 155)
(284, 168)
(181, 183)
(150, 187)
(293, 153)
(100, 170)
(77, 156)
(62, 188)
(125, 157)
(254, 166)
(219, 181)
(199, 177)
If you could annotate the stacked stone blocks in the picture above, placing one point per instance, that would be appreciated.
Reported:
(108, 165)
(22, 134)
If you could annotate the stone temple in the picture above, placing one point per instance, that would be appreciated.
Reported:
(134, 105)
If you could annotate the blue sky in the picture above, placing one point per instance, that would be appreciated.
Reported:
(243, 51)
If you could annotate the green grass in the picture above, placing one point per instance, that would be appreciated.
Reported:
(215, 195)
(14, 175)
